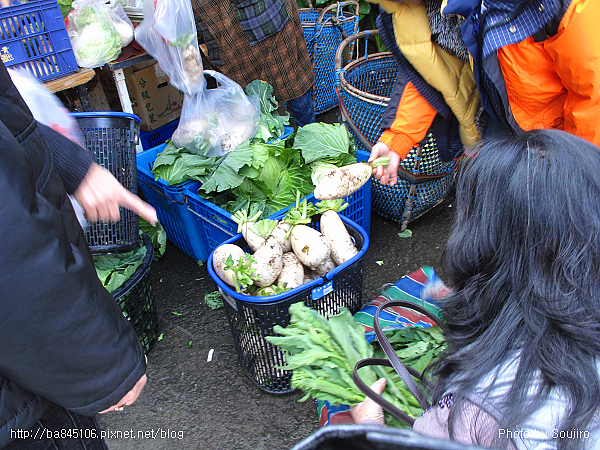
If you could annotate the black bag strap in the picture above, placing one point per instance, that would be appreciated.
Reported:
(405, 373)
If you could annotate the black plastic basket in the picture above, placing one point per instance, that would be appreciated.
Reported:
(112, 138)
(136, 299)
(251, 319)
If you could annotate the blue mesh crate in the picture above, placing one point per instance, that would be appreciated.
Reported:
(151, 139)
(170, 205)
(365, 87)
(324, 30)
(33, 36)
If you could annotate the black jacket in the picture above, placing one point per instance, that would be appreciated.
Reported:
(63, 338)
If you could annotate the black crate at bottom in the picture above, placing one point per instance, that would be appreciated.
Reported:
(136, 300)
(251, 322)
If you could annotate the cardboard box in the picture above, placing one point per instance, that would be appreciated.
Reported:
(153, 98)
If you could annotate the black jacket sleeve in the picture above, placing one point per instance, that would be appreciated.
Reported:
(70, 160)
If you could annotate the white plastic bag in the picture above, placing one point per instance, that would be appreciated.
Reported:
(213, 121)
(168, 33)
(216, 121)
(97, 32)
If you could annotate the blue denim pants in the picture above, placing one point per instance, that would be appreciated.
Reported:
(60, 429)
(302, 108)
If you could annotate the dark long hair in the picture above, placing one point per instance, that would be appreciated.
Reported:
(523, 259)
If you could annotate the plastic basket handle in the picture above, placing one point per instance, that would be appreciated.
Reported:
(403, 174)
(161, 193)
(224, 230)
(405, 373)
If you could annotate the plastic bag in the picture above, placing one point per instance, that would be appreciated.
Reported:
(168, 33)
(45, 107)
(97, 32)
(213, 121)
(216, 121)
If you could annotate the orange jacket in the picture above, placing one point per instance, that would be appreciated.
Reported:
(556, 83)
(414, 117)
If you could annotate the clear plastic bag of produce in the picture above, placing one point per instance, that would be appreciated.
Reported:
(215, 121)
(168, 33)
(97, 32)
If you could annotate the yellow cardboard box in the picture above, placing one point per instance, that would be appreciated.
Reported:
(153, 98)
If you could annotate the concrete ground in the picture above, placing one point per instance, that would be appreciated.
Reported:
(191, 403)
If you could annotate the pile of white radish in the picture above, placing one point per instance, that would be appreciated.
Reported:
(286, 253)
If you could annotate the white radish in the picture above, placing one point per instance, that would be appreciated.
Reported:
(343, 181)
(268, 262)
(325, 267)
(334, 230)
(309, 245)
(281, 234)
(292, 272)
(254, 240)
(346, 180)
(220, 257)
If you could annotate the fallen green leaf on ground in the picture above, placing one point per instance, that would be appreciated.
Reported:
(405, 234)
(213, 300)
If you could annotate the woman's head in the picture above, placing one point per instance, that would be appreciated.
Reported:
(523, 259)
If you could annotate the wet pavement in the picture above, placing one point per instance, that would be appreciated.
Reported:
(192, 403)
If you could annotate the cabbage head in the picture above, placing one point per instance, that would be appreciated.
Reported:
(96, 44)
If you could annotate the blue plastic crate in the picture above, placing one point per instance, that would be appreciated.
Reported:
(33, 36)
(170, 205)
(151, 139)
(198, 226)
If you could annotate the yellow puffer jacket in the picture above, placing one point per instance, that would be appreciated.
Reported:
(452, 77)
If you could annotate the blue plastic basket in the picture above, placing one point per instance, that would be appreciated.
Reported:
(251, 319)
(197, 226)
(324, 30)
(170, 205)
(33, 36)
(151, 139)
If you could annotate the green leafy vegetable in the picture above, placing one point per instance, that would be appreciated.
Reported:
(157, 235)
(322, 140)
(270, 125)
(115, 269)
(213, 300)
(323, 352)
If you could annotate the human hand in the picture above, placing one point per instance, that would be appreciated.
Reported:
(388, 174)
(130, 397)
(100, 194)
(368, 410)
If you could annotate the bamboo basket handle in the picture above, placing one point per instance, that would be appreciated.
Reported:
(339, 6)
(347, 41)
